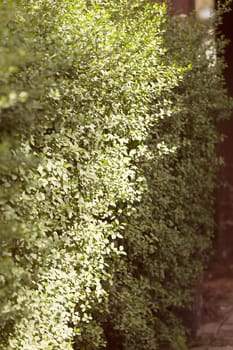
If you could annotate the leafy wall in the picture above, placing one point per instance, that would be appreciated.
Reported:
(108, 117)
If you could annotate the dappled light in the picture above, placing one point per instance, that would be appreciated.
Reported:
(108, 132)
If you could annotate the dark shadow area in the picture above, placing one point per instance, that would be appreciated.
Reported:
(218, 279)
(225, 193)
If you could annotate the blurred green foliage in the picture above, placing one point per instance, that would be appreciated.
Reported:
(108, 115)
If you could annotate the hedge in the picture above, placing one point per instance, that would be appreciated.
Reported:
(108, 114)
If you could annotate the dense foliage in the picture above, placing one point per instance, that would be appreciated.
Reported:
(108, 115)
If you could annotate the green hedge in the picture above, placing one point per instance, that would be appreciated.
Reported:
(108, 117)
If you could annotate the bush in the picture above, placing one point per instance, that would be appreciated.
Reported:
(168, 238)
(108, 207)
(13, 118)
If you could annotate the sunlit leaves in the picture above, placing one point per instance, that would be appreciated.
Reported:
(105, 174)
